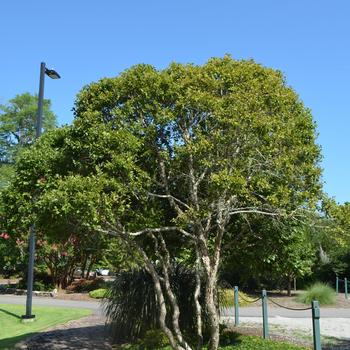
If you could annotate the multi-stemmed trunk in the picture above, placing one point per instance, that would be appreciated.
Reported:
(213, 315)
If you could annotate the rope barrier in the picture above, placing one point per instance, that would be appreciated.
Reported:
(314, 307)
(288, 308)
(249, 301)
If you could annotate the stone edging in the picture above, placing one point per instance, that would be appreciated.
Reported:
(24, 292)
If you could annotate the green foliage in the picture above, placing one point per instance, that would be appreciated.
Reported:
(42, 281)
(333, 240)
(6, 174)
(275, 251)
(153, 339)
(12, 256)
(321, 292)
(98, 293)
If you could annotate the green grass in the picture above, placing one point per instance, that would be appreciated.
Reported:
(12, 330)
(321, 292)
(241, 342)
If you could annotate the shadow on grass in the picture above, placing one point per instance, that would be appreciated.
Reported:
(9, 343)
(91, 337)
(341, 344)
(10, 313)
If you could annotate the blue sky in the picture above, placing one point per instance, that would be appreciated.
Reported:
(87, 40)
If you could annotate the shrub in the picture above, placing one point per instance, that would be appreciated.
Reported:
(319, 291)
(98, 293)
(84, 285)
(153, 339)
(42, 282)
(228, 337)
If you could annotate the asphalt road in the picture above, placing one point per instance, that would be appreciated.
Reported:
(45, 301)
(244, 311)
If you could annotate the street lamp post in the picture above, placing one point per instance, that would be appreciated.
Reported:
(53, 75)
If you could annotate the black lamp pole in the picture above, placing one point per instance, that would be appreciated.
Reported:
(54, 75)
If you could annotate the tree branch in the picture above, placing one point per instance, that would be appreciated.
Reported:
(114, 231)
(169, 196)
(253, 211)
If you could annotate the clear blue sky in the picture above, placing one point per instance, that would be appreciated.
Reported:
(87, 40)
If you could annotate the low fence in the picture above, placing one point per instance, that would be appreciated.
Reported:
(337, 283)
(315, 314)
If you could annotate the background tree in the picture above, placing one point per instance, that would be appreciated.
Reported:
(331, 240)
(65, 235)
(166, 161)
(269, 253)
(17, 129)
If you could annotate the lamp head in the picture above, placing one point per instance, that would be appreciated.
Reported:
(52, 74)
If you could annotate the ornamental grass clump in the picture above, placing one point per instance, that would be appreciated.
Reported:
(226, 298)
(319, 291)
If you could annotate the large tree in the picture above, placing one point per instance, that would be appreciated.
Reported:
(167, 161)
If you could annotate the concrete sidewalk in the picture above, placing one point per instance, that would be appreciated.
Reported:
(330, 327)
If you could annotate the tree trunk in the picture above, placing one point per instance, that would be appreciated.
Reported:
(88, 269)
(83, 267)
(198, 307)
(213, 314)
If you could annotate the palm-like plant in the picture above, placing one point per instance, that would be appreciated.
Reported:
(131, 306)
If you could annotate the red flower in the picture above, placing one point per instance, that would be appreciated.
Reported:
(4, 235)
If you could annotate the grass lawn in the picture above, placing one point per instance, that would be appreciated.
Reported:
(241, 342)
(12, 330)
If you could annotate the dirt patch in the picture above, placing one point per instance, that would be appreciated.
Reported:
(74, 296)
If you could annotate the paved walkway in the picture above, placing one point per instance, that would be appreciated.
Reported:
(88, 333)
